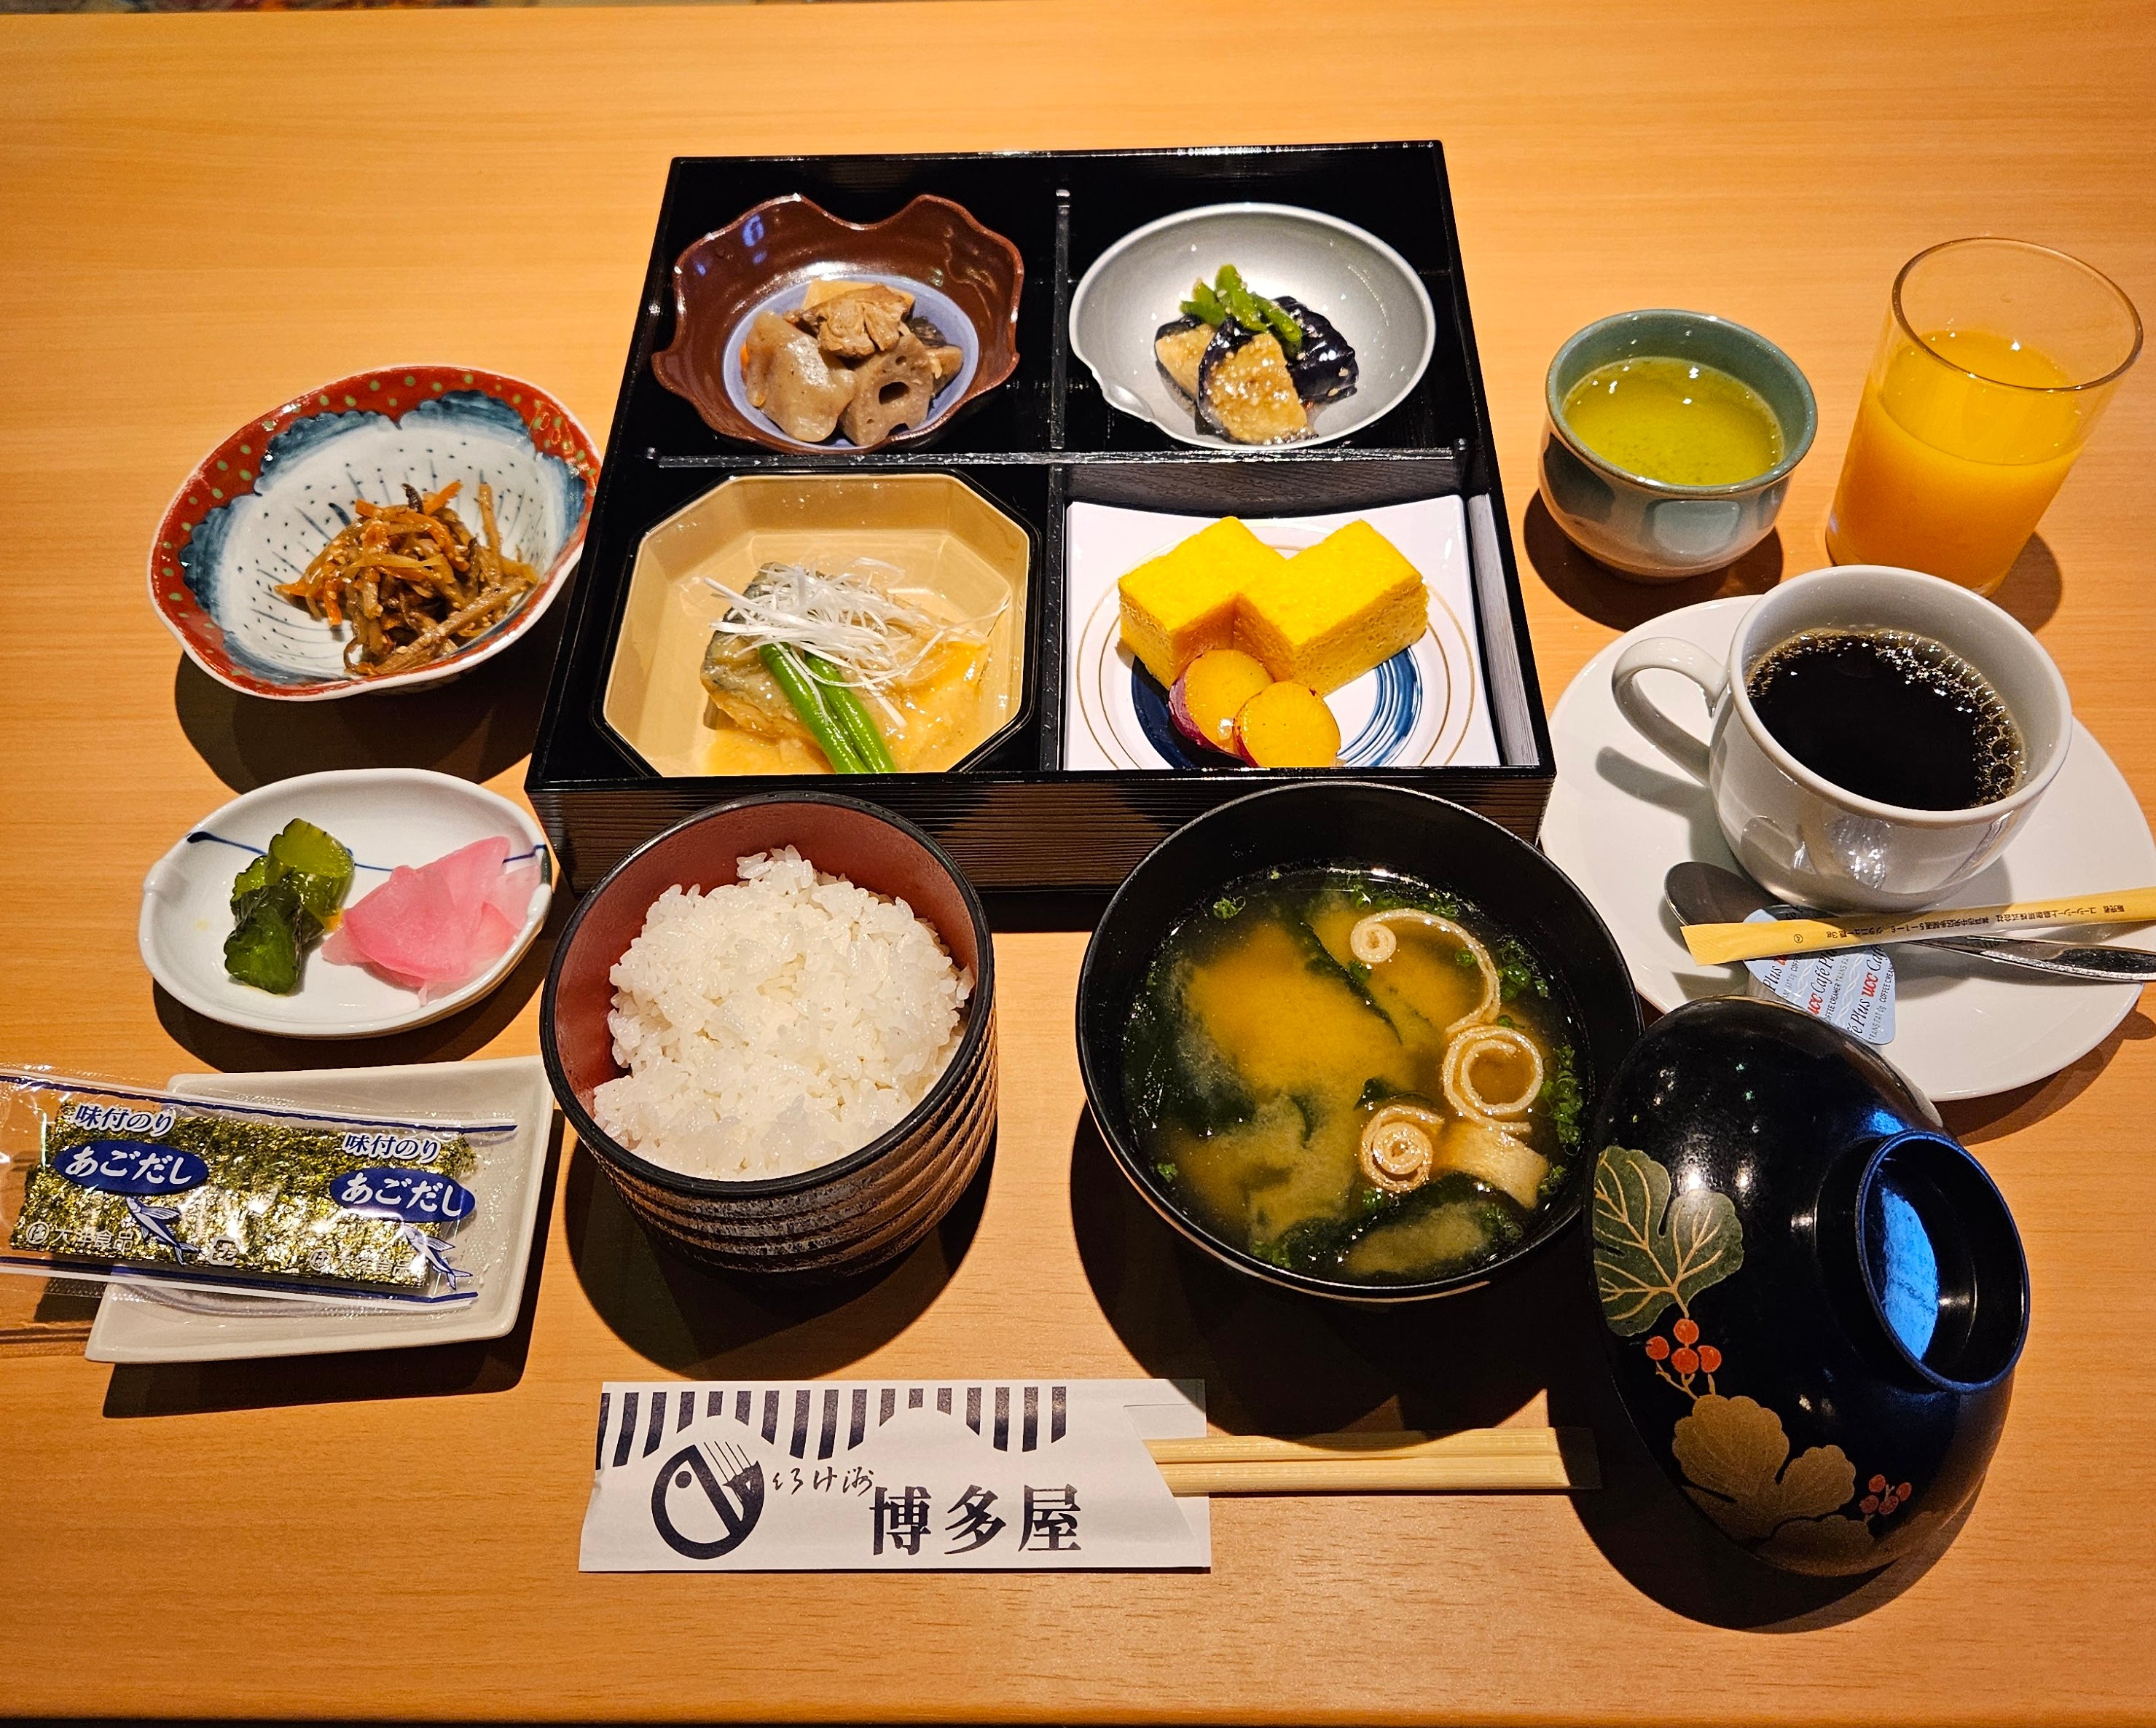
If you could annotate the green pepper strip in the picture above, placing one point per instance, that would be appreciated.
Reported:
(807, 699)
(1284, 325)
(850, 715)
(1255, 313)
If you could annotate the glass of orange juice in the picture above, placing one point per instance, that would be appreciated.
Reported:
(1999, 358)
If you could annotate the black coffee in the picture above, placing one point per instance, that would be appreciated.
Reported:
(1889, 716)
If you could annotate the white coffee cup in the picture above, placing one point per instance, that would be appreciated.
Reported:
(1804, 838)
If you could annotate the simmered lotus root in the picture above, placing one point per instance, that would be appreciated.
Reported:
(851, 356)
(788, 378)
(892, 390)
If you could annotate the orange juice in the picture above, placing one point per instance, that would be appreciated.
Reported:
(1960, 443)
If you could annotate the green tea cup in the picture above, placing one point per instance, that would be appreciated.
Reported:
(1651, 529)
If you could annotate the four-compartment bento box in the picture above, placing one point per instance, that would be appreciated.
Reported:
(1021, 815)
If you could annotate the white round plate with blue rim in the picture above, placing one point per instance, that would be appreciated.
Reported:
(259, 506)
(1417, 709)
(1620, 815)
(386, 817)
(930, 303)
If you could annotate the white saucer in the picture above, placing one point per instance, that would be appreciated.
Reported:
(1620, 815)
(387, 817)
(135, 1323)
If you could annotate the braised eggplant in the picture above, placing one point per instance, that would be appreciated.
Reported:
(1325, 369)
(1245, 391)
(1250, 367)
(1179, 345)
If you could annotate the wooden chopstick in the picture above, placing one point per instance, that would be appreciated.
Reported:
(1489, 1460)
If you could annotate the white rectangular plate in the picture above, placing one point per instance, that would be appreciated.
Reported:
(1426, 707)
(136, 1326)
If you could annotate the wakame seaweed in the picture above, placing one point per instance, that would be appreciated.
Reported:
(1276, 1080)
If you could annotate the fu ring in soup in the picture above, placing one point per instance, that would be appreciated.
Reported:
(1349, 1073)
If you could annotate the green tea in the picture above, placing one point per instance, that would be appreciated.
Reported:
(1674, 421)
(1350, 1074)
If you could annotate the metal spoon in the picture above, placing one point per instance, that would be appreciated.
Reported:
(1707, 893)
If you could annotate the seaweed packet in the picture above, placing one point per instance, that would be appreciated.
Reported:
(114, 1182)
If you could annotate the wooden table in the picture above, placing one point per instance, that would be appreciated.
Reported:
(199, 216)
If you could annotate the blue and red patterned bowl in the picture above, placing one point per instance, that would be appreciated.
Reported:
(259, 506)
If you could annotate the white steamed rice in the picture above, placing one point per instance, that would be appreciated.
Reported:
(777, 1024)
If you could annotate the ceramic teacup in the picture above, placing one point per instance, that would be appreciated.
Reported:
(1804, 838)
(1649, 529)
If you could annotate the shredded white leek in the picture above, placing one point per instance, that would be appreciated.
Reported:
(877, 641)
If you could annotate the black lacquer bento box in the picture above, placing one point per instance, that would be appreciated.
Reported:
(1013, 817)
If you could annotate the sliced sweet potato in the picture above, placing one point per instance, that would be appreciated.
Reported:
(1287, 725)
(1211, 693)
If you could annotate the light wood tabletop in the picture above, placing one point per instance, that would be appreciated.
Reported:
(200, 216)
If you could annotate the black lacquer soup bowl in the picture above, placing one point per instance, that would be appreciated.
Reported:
(1812, 1297)
(1333, 821)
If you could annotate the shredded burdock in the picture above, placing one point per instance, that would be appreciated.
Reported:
(412, 582)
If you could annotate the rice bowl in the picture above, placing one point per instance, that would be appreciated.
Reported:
(833, 1220)
(776, 1024)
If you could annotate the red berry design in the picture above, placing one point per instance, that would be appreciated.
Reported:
(1902, 1492)
(1657, 1349)
(1684, 1360)
(1868, 1505)
(1710, 1358)
(1877, 1484)
(1686, 1331)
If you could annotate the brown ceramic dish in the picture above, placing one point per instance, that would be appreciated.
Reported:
(846, 1217)
(723, 279)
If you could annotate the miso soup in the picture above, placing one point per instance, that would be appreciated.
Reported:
(1351, 1074)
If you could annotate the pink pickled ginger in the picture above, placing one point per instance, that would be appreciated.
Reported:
(438, 926)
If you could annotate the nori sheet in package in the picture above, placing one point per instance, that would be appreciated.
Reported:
(107, 1180)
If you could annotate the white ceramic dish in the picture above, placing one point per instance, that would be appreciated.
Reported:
(1424, 707)
(1370, 295)
(1621, 815)
(387, 817)
(139, 1324)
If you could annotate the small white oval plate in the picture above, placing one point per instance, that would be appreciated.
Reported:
(387, 817)
(1343, 273)
(1621, 815)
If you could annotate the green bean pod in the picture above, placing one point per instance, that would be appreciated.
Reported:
(849, 715)
(807, 697)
